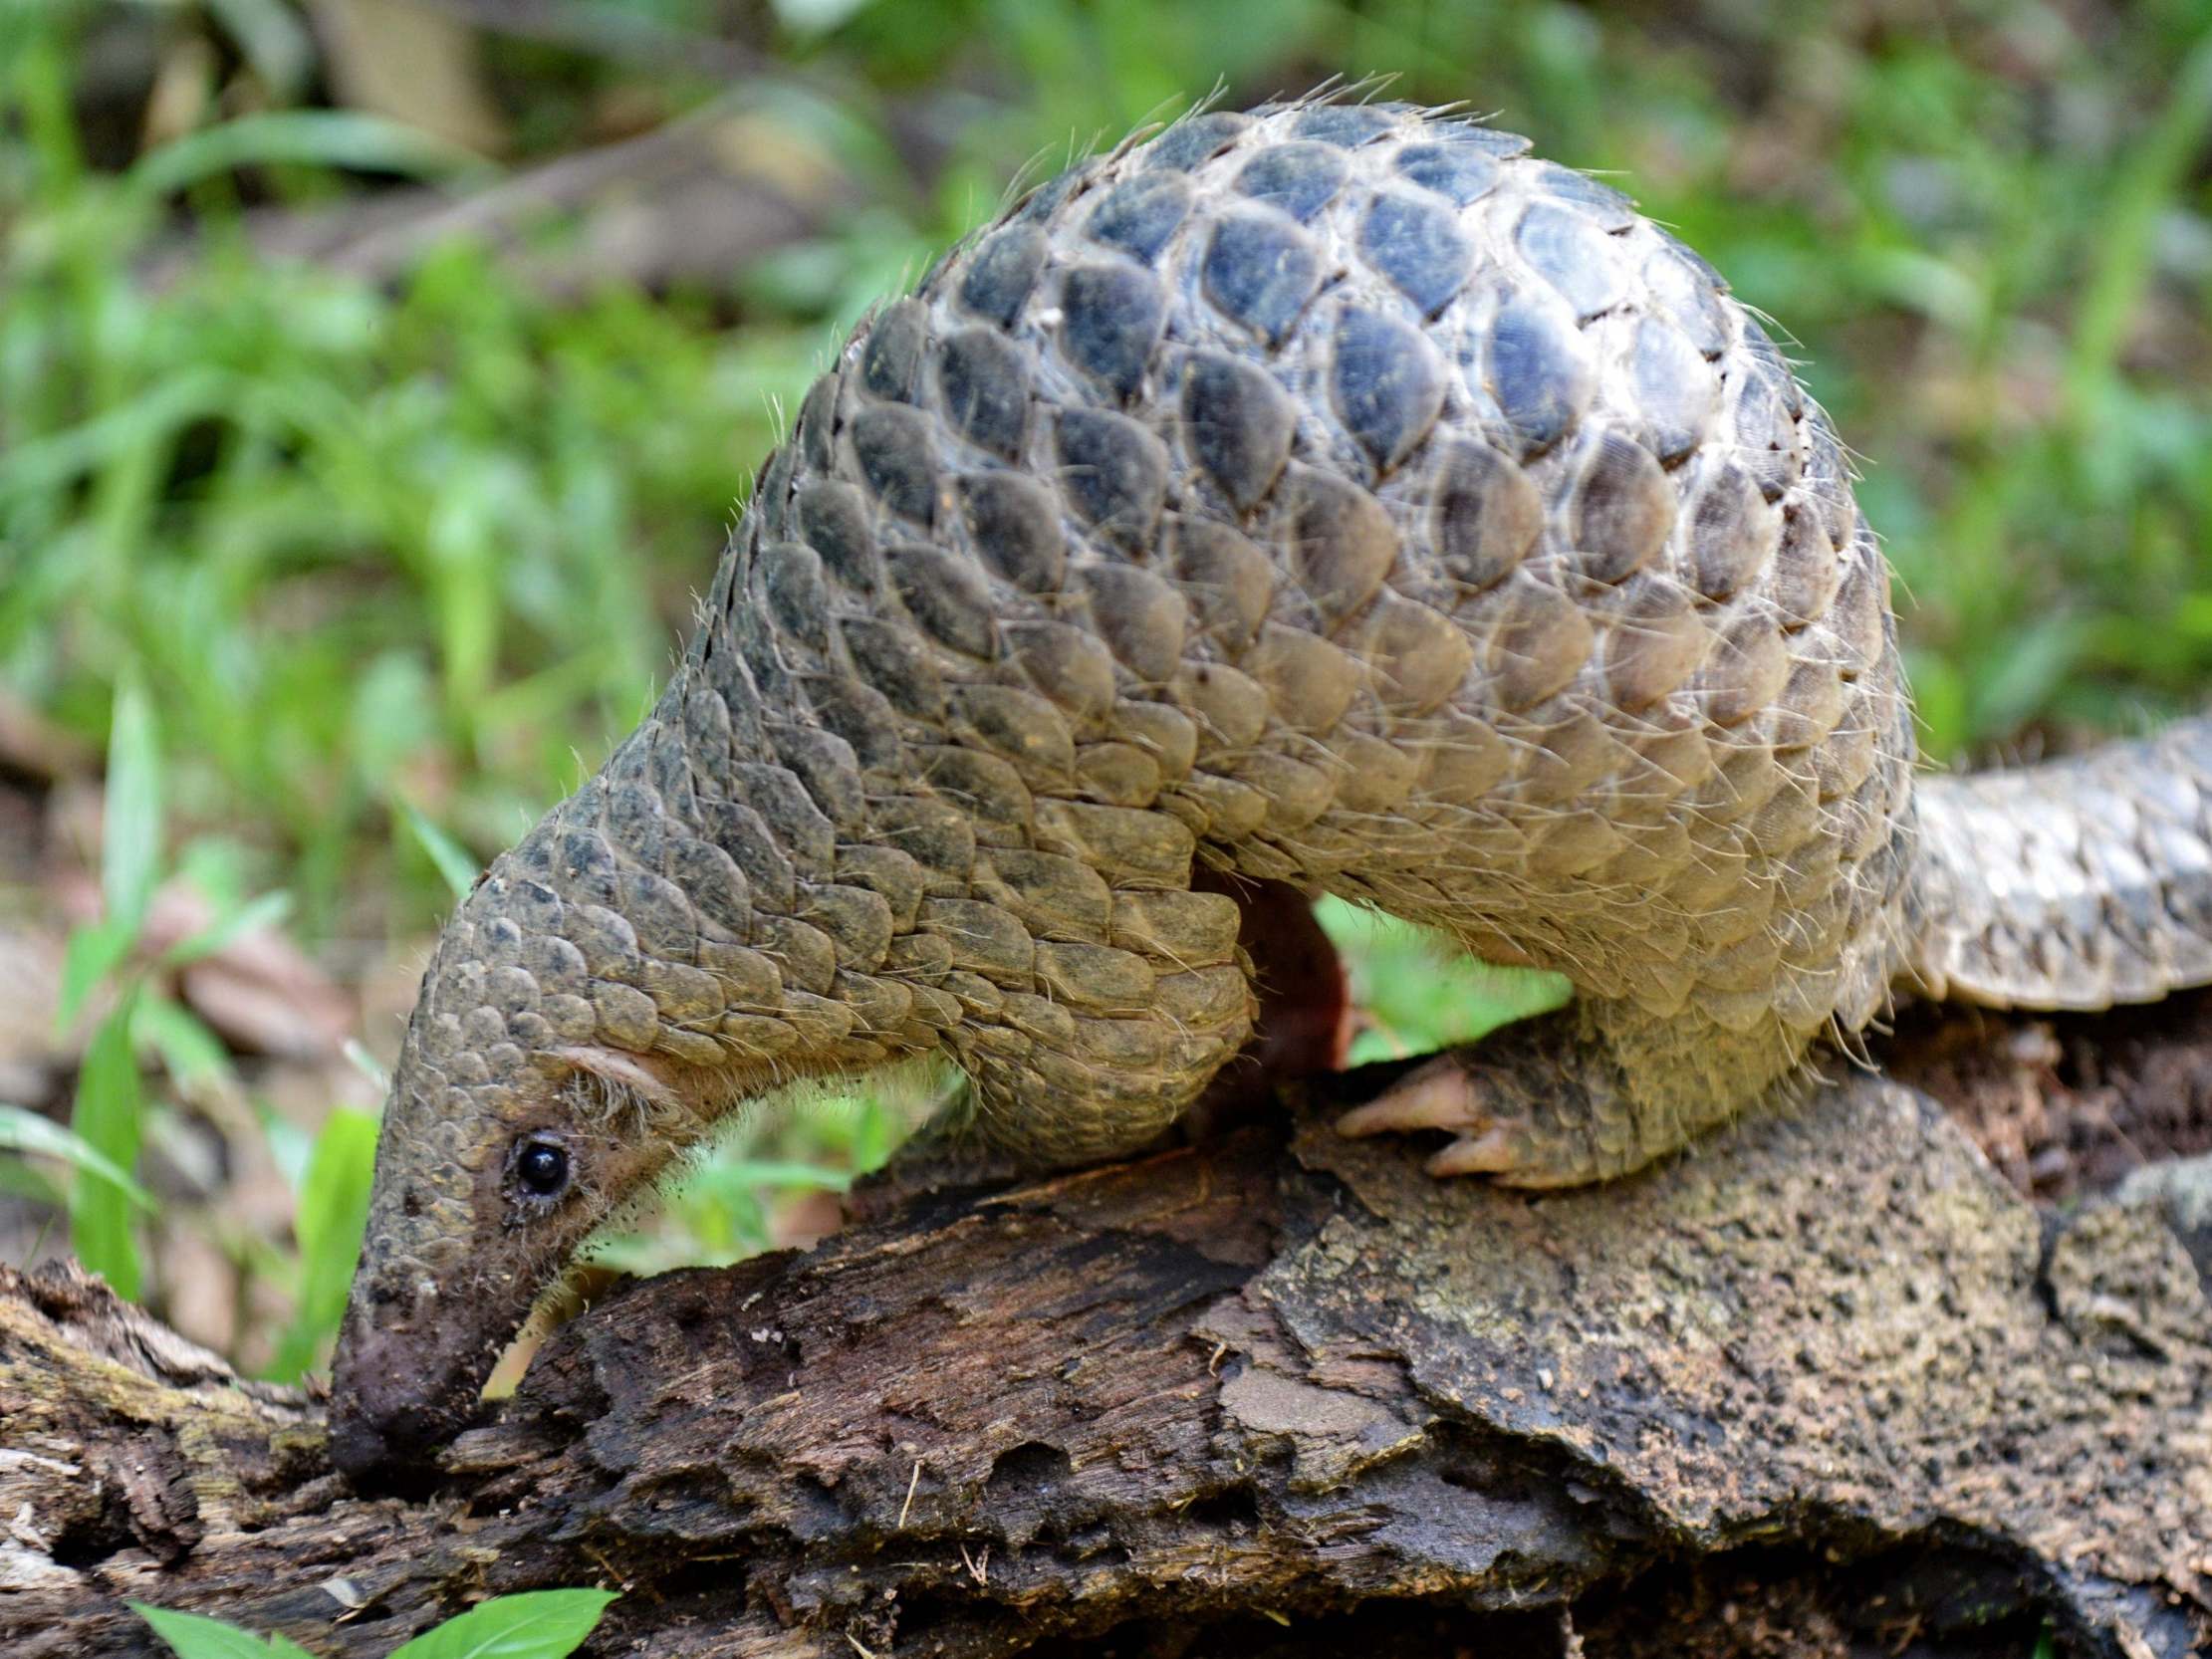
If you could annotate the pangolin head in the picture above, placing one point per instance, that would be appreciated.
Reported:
(532, 1099)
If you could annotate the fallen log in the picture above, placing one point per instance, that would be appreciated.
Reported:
(1828, 1387)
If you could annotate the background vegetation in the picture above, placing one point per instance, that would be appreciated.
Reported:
(351, 542)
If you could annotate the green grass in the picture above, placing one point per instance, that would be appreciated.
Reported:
(392, 559)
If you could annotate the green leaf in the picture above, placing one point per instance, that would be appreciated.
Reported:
(333, 1212)
(452, 860)
(265, 912)
(24, 1130)
(778, 1172)
(94, 951)
(311, 137)
(131, 834)
(195, 1636)
(107, 1119)
(191, 1053)
(538, 1624)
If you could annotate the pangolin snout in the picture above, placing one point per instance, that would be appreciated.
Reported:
(401, 1388)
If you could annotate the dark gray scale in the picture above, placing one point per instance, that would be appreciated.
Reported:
(1612, 210)
(1239, 422)
(1140, 617)
(1767, 433)
(633, 819)
(1014, 524)
(1347, 124)
(1769, 357)
(1689, 291)
(1388, 384)
(1110, 319)
(889, 657)
(1484, 515)
(983, 378)
(826, 765)
(1194, 140)
(772, 495)
(1002, 271)
(1731, 533)
(858, 713)
(668, 768)
(946, 595)
(817, 422)
(1539, 373)
(1044, 201)
(1418, 245)
(832, 519)
(1675, 391)
(1114, 473)
(789, 814)
(895, 346)
(724, 674)
(1462, 173)
(895, 446)
(1260, 270)
(1490, 140)
(659, 914)
(1573, 255)
(1301, 179)
(1141, 215)
(756, 644)
(585, 866)
(1623, 511)
(790, 582)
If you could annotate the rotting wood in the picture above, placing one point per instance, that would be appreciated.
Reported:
(1284, 1392)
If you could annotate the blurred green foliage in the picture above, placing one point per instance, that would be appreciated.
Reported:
(392, 555)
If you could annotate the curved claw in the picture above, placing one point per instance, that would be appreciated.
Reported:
(1439, 1096)
(1491, 1138)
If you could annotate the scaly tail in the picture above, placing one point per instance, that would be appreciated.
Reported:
(2075, 884)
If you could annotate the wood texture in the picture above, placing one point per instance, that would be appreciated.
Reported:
(1827, 1387)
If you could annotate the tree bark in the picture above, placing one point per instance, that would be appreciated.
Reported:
(1829, 1385)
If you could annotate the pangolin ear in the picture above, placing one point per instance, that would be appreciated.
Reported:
(641, 1074)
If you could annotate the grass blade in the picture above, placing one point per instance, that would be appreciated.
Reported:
(24, 1130)
(452, 860)
(107, 1119)
(265, 912)
(345, 139)
(333, 1212)
(131, 836)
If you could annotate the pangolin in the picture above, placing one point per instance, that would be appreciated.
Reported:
(1334, 498)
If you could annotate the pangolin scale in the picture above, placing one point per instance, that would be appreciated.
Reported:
(1333, 495)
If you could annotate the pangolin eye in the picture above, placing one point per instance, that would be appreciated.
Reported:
(542, 1168)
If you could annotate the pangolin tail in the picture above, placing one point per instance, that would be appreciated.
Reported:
(2079, 884)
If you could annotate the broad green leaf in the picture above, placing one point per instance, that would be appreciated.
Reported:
(538, 1624)
(265, 912)
(452, 860)
(196, 1636)
(107, 1119)
(24, 1130)
(312, 138)
(130, 833)
(333, 1211)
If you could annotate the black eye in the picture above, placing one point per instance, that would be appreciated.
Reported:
(542, 1168)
